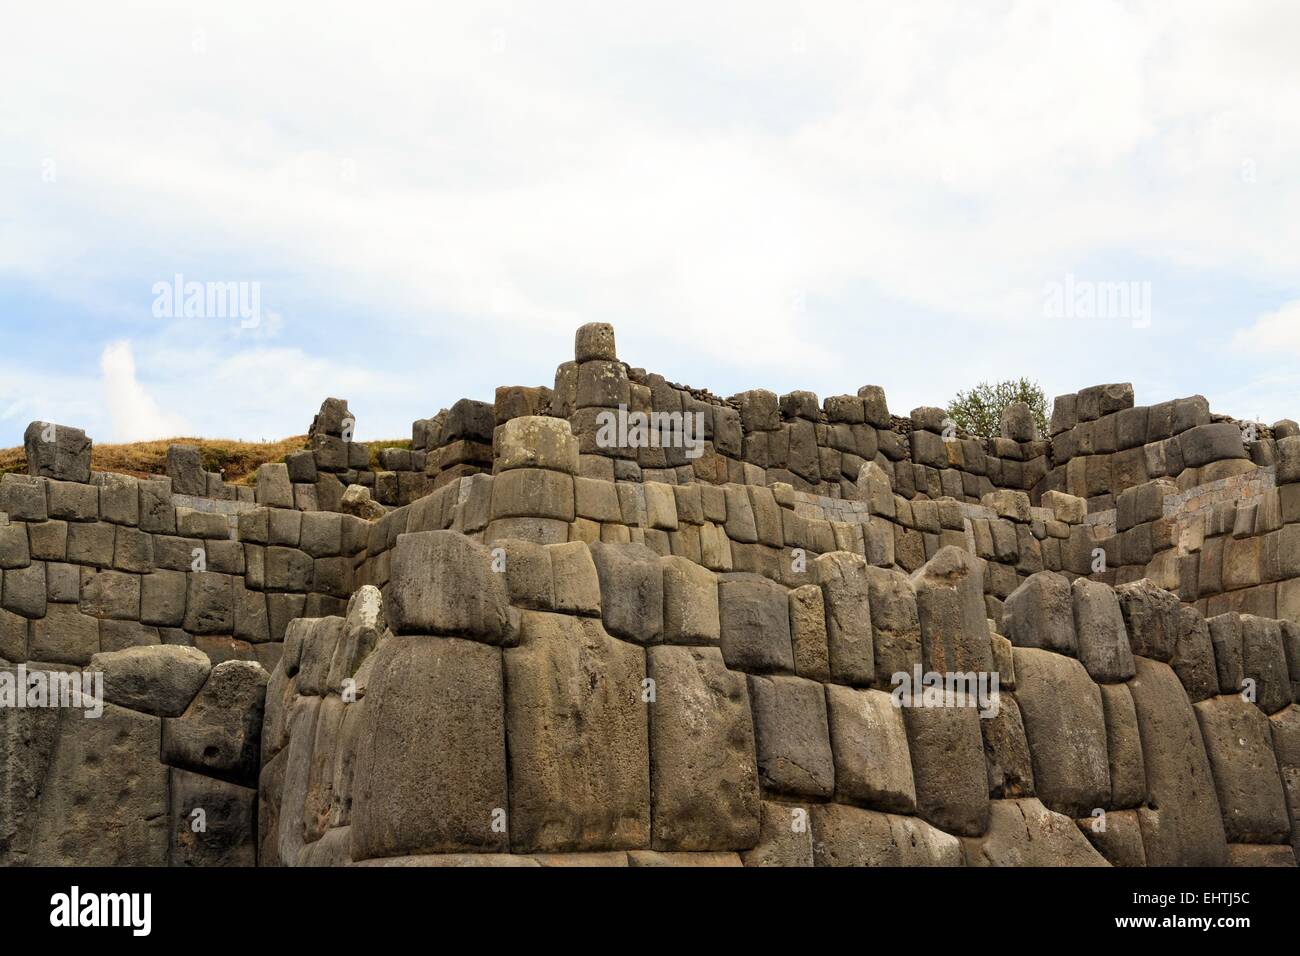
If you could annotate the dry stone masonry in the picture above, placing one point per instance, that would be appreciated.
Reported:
(758, 631)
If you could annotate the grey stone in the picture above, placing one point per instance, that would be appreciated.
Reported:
(431, 755)
(631, 591)
(159, 679)
(576, 729)
(57, 451)
(220, 732)
(1099, 625)
(443, 583)
(792, 736)
(704, 779)
(755, 624)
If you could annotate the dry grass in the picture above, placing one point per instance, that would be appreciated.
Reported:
(238, 461)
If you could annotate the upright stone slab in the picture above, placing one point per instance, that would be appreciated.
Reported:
(1025, 833)
(1186, 829)
(576, 730)
(1040, 613)
(1066, 728)
(704, 777)
(948, 767)
(950, 604)
(1099, 624)
(843, 579)
(1239, 744)
(104, 798)
(431, 757)
(873, 765)
(57, 451)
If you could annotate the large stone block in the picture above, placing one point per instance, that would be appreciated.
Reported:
(950, 604)
(210, 604)
(704, 777)
(843, 579)
(576, 730)
(1152, 618)
(443, 583)
(431, 756)
(847, 836)
(104, 798)
(1099, 625)
(1263, 661)
(57, 451)
(1239, 745)
(948, 767)
(1193, 659)
(631, 591)
(690, 603)
(895, 624)
(755, 624)
(1188, 829)
(1128, 776)
(1026, 833)
(213, 823)
(537, 442)
(873, 765)
(220, 732)
(1066, 728)
(1040, 613)
(808, 632)
(785, 837)
(160, 679)
(64, 635)
(1214, 442)
(792, 736)
(533, 493)
(1006, 751)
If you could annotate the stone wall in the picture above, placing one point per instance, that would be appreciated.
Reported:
(516, 644)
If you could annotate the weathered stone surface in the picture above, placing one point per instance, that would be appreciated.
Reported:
(104, 797)
(159, 679)
(64, 636)
(755, 624)
(1006, 751)
(704, 777)
(791, 736)
(1128, 776)
(1117, 836)
(948, 767)
(873, 764)
(1152, 618)
(1239, 745)
(220, 732)
(950, 604)
(1193, 659)
(895, 625)
(785, 837)
(1263, 661)
(1040, 613)
(1188, 830)
(848, 836)
(843, 579)
(808, 632)
(1099, 625)
(576, 728)
(1026, 833)
(631, 591)
(57, 451)
(1066, 729)
(690, 603)
(575, 580)
(213, 823)
(443, 583)
(431, 757)
(537, 442)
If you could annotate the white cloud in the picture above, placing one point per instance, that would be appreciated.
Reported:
(1273, 333)
(133, 413)
(471, 182)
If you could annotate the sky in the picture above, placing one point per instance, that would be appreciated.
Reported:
(425, 200)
